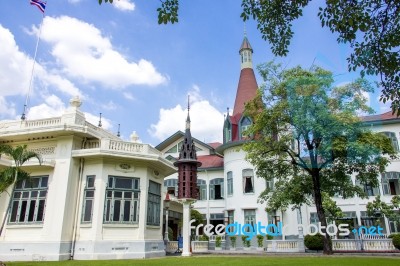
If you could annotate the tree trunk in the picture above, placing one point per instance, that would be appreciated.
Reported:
(321, 213)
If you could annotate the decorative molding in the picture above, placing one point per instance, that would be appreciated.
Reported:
(125, 167)
(44, 150)
(156, 173)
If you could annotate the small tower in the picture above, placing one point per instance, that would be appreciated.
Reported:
(187, 165)
(246, 53)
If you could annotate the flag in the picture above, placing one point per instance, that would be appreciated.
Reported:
(40, 4)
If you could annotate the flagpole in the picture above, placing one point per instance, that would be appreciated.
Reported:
(27, 99)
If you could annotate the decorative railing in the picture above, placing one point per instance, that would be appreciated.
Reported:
(345, 244)
(199, 246)
(121, 146)
(44, 122)
(378, 245)
(282, 245)
(172, 247)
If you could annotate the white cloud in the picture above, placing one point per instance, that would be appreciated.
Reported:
(109, 106)
(74, 1)
(52, 107)
(16, 68)
(7, 109)
(206, 120)
(124, 5)
(128, 96)
(94, 119)
(88, 55)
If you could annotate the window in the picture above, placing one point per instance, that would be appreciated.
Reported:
(172, 186)
(217, 189)
(227, 131)
(122, 200)
(244, 125)
(248, 181)
(88, 199)
(154, 203)
(202, 186)
(269, 184)
(229, 180)
(250, 217)
(394, 226)
(29, 200)
(393, 139)
(390, 183)
(231, 217)
(368, 188)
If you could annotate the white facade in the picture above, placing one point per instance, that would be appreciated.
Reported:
(95, 193)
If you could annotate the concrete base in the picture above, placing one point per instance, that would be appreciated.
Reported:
(84, 250)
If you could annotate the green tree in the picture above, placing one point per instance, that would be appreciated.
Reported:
(309, 138)
(370, 27)
(377, 208)
(12, 174)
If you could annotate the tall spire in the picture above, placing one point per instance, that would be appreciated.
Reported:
(247, 87)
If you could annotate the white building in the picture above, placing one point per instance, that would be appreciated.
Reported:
(98, 197)
(94, 197)
(229, 187)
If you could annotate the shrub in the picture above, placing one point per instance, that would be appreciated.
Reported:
(203, 238)
(218, 241)
(314, 242)
(260, 239)
(269, 237)
(233, 241)
(246, 243)
(396, 240)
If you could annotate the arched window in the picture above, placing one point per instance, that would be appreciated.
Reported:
(245, 123)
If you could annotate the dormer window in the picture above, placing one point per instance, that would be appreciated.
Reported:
(227, 132)
(244, 125)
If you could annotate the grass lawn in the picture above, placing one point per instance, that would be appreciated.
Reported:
(232, 260)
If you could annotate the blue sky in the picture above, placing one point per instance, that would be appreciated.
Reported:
(138, 73)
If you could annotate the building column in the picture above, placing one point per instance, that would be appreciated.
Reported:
(186, 229)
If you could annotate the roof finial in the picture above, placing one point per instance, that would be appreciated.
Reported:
(245, 32)
(188, 117)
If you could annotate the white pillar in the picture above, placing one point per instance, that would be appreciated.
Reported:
(186, 229)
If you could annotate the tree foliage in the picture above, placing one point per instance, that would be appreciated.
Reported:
(370, 27)
(13, 174)
(377, 208)
(310, 140)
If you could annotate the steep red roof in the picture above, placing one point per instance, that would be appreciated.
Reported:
(211, 161)
(381, 117)
(215, 144)
(246, 91)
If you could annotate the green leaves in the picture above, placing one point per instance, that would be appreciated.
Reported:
(20, 155)
(168, 12)
(310, 140)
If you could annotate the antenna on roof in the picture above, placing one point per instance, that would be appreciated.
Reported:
(100, 121)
